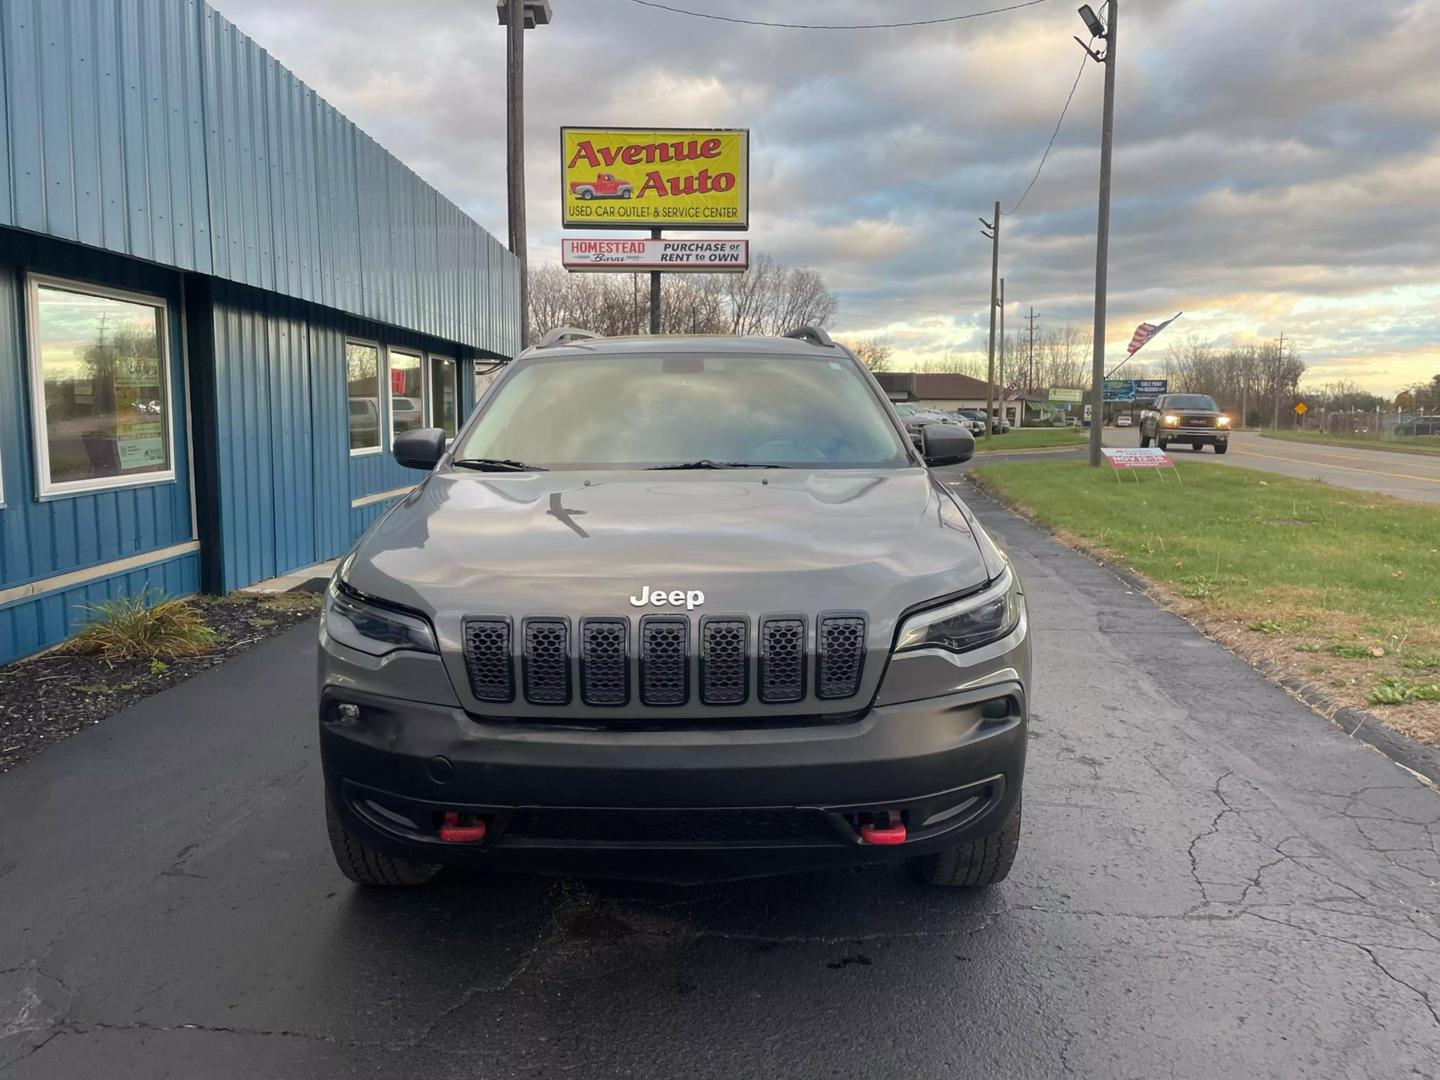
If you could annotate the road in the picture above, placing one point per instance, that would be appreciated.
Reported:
(1213, 882)
(1405, 476)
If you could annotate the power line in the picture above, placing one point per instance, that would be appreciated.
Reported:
(828, 26)
(1054, 134)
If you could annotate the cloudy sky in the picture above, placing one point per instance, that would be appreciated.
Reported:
(1277, 164)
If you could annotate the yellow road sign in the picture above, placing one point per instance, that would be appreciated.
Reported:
(1301, 408)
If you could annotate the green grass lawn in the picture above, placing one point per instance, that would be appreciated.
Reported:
(1311, 572)
(1415, 444)
(1031, 439)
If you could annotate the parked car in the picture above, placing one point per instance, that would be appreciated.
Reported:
(604, 186)
(1124, 420)
(796, 648)
(916, 417)
(1194, 419)
(1408, 426)
(971, 419)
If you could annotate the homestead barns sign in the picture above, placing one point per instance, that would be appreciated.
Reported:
(655, 178)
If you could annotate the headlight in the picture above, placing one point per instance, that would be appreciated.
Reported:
(966, 624)
(373, 629)
(1170, 421)
(1223, 421)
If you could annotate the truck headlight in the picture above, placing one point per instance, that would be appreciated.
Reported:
(1171, 421)
(976, 620)
(371, 628)
(1223, 421)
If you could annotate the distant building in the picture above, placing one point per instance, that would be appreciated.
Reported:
(219, 301)
(944, 390)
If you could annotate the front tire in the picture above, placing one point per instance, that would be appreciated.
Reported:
(1221, 447)
(364, 865)
(984, 861)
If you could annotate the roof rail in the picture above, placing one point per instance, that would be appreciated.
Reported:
(561, 334)
(812, 335)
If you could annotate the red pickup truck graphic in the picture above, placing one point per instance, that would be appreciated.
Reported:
(604, 186)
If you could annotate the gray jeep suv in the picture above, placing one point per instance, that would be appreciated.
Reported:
(676, 608)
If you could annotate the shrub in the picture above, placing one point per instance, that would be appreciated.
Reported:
(143, 627)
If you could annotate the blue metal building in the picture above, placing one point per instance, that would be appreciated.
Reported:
(219, 300)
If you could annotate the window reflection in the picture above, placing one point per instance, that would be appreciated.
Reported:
(362, 366)
(103, 373)
(407, 396)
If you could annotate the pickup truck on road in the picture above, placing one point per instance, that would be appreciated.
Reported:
(1189, 418)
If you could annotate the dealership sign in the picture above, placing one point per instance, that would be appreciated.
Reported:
(672, 178)
(1120, 390)
(587, 255)
(1060, 393)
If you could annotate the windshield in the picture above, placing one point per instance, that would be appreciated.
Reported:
(614, 412)
(1191, 401)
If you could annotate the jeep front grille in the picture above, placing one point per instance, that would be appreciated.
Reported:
(606, 653)
(782, 660)
(839, 656)
(547, 661)
(724, 662)
(664, 660)
(604, 661)
(487, 659)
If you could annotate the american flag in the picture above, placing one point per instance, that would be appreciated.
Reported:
(1145, 331)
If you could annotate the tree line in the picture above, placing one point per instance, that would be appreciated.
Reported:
(768, 299)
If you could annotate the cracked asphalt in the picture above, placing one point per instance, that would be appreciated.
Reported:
(1213, 882)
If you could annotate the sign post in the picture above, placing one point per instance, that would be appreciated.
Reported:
(655, 178)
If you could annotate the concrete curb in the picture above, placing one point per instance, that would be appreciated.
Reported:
(1356, 723)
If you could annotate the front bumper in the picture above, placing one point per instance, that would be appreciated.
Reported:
(686, 804)
(1194, 436)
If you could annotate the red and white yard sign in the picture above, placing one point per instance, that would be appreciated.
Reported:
(1138, 457)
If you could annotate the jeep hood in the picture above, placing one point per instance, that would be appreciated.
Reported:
(583, 543)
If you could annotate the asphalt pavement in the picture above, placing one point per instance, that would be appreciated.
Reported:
(1213, 882)
(1405, 476)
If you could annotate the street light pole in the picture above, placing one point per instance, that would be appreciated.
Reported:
(994, 237)
(1102, 238)
(517, 16)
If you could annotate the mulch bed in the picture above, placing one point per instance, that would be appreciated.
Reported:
(50, 697)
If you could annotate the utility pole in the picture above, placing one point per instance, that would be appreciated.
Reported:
(1279, 367)
(1001, 417)
(994, 237)
(1107, 31)
(655, 292)
(1030, 374)
(517, 16)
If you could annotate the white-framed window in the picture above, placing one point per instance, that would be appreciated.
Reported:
(362, 376)
(99, 387)
(407, 391)
(444, 395)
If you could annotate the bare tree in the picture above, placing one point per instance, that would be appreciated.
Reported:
(873, 352)
(767, 299)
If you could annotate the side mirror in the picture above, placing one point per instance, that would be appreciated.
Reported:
(419, 448)
(946, 444)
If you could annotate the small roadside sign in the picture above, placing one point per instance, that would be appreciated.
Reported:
(1138, 457)
(1060, 393)
(1301, 408)
(1132, 457)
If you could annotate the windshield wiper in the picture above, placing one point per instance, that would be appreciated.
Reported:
(707, 463)
(491, 464)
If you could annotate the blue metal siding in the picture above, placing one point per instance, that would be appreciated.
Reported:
(27, 626)
(155, 128)
(39, 540)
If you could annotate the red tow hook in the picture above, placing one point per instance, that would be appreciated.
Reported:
(451, 831)
(891, 833)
